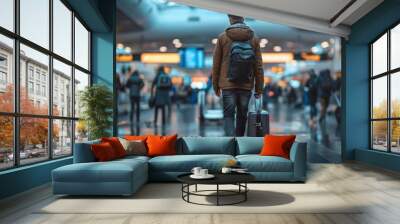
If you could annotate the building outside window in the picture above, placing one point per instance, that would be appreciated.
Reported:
(30, 87)
(34, 74)
(30, 72)
(385, 94)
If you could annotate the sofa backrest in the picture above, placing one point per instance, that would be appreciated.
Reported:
(249, 145)
(206, 145)
(83, 153)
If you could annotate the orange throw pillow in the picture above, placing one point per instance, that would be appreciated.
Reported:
(277, 145)
(161, 145)
(103, 152)
(116, 145)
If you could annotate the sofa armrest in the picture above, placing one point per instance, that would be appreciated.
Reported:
(83, 152)
(298, 155)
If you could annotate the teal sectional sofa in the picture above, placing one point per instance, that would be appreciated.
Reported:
(125, 176)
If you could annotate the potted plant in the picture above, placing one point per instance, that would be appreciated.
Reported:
(96, 103)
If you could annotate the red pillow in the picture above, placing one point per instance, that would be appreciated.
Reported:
(136, 137)
(161, 145)
(277, 145)
(116, 145)
(103, 152)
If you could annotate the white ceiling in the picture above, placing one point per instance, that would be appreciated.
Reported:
(149, 24)
(320, 9)
(313, 15)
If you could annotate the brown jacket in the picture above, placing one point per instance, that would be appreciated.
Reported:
(236, 32)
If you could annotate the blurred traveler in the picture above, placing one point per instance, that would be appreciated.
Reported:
(311, 88)
(135, 84)
(161, 88)
(325, 85)
(336, 95)
(237, 69)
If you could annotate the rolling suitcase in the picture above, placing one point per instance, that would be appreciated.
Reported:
(258, 121)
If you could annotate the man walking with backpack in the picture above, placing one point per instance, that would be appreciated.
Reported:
(135, 84)
(237, 69)
(161, 87)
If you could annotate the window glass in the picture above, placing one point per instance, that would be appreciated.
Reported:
(39, 62)
(395, 95)
(6, 74)
(379, 98)
(7, 14)
(81, 82)
(62, 29)
(81, 45)
(33, 139)
(34, 21)
(62, 138)
(6, 142)
(379, 135)
(62, 89)
(81, 131)
(379, 56)
(395, 47)
(395, 136)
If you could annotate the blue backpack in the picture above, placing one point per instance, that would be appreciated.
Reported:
(242, 61)
(163, 82)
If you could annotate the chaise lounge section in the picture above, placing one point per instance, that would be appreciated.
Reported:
(125, 176)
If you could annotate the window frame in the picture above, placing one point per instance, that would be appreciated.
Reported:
(16, 114)
(388, 74)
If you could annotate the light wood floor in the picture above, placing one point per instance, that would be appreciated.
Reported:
(378, 189)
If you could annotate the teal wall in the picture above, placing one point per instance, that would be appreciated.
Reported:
(99, 16)
(24, 178)
(356, 97)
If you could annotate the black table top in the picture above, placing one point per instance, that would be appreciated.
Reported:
(220, 178)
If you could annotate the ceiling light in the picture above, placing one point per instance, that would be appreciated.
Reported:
(120, 46)
(262, 45)
(325, 44)
(317, 49)
(277, 48)
(128, 49)
(178, 45)
(264, 41)
(214, 41)
(163, 49)
(176, 41)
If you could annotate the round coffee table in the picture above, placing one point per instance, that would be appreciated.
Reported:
(238, 179)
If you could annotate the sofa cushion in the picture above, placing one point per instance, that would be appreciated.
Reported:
(161, 145)
(278, 145)
(134, 147)
(185, 163)
(257, 163)
(207, 145)
(103, 152)
(112, 171)
(249, 145)
(116, 145)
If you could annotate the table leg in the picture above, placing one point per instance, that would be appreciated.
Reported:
(245, 193)
(196, 187)
(188, 190)
(217, 194)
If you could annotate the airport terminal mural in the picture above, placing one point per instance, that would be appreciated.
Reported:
(301, 77)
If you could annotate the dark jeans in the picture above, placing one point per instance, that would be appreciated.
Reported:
(235, 102)
(156, 108)
(135, 107)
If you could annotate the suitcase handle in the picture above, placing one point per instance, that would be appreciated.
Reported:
(257, 104)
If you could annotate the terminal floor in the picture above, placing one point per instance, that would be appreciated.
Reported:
(323, 140)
